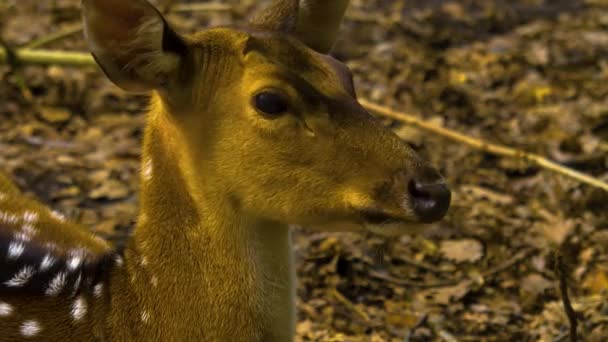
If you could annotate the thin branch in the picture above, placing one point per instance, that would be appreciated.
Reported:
(563, 288)
(50, 57)
(410, 283)
(516, 259)
(422, 321)
(79, 59)
(340, 297)
(484, 145)
(55, 36)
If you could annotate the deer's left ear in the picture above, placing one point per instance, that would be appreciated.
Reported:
(280, 15)
(315, 22)
(132, 43)
(319, 22)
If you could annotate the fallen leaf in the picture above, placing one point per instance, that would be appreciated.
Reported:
(55, 115)
(596, 281)
(464, 250)
(535, 284)
(110, 189)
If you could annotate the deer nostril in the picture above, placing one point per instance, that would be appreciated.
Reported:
(430, 201)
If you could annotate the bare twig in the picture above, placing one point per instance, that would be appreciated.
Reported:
(46, 57)
(516, 259)
(340, 297)
(484, 145)
(410, 283)
(424, 266)
(418, 325)
(50, 57)
(443, 334)
(563, 288)
(55, 36)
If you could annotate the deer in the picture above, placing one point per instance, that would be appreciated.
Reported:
(249, 130)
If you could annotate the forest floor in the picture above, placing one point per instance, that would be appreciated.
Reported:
(530, 74)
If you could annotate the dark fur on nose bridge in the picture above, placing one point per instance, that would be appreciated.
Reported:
(393, 187)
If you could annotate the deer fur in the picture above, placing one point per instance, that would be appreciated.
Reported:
(210, 257)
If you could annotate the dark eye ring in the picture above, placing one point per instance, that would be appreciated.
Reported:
(270, 103)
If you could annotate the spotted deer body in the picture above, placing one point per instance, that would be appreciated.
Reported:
(248, 131)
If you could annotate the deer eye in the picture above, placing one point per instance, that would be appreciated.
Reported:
(271, 103)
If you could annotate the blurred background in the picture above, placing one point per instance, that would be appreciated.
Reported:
(528, 74)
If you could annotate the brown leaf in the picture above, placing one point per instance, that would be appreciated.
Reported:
(596, 281)
(55, 115)
(535, 284)
(110, 189)
(465, 250)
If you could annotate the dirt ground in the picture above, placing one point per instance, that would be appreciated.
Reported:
(529, 74)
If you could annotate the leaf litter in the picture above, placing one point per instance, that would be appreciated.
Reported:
(527, 74)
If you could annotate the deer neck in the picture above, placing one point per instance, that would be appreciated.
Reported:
(198, 259)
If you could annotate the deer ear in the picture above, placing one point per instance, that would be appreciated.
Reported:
(132, 43)
(280, 15)
(319, 22)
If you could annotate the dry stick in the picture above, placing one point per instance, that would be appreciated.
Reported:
(46, 57)
(50, 57)
(410, 283)
(483, 145)
(563, 288)
(516, 259)
(340, 297)
(55, 36)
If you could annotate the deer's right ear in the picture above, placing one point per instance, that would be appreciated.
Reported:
(132, 43)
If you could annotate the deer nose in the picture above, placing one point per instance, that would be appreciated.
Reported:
(430, 200)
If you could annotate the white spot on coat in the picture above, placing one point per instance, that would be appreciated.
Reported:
(47, 262)
(30, 328)
(30, 216)
(76, 258)
(118, 260)
(58, 216)
(74, 263)
(5, 309)
(98, 290)
(22, 237)
(56, 285)
(147, 170)
(28, 229)
(145, 316)
(79, 308)
(21, 278)
(77, 284)
(154, 281)
(15, 249)
(8, 217)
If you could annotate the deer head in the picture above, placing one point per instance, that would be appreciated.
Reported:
(263, 118)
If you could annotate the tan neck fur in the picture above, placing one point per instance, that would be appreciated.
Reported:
(226, 275)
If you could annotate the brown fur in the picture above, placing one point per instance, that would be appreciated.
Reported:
(210, 258)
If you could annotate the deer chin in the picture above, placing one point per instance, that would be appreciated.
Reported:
(387, 224)
(373, 222)
(391, 229)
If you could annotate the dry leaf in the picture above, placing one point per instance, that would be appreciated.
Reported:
(465, 250)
